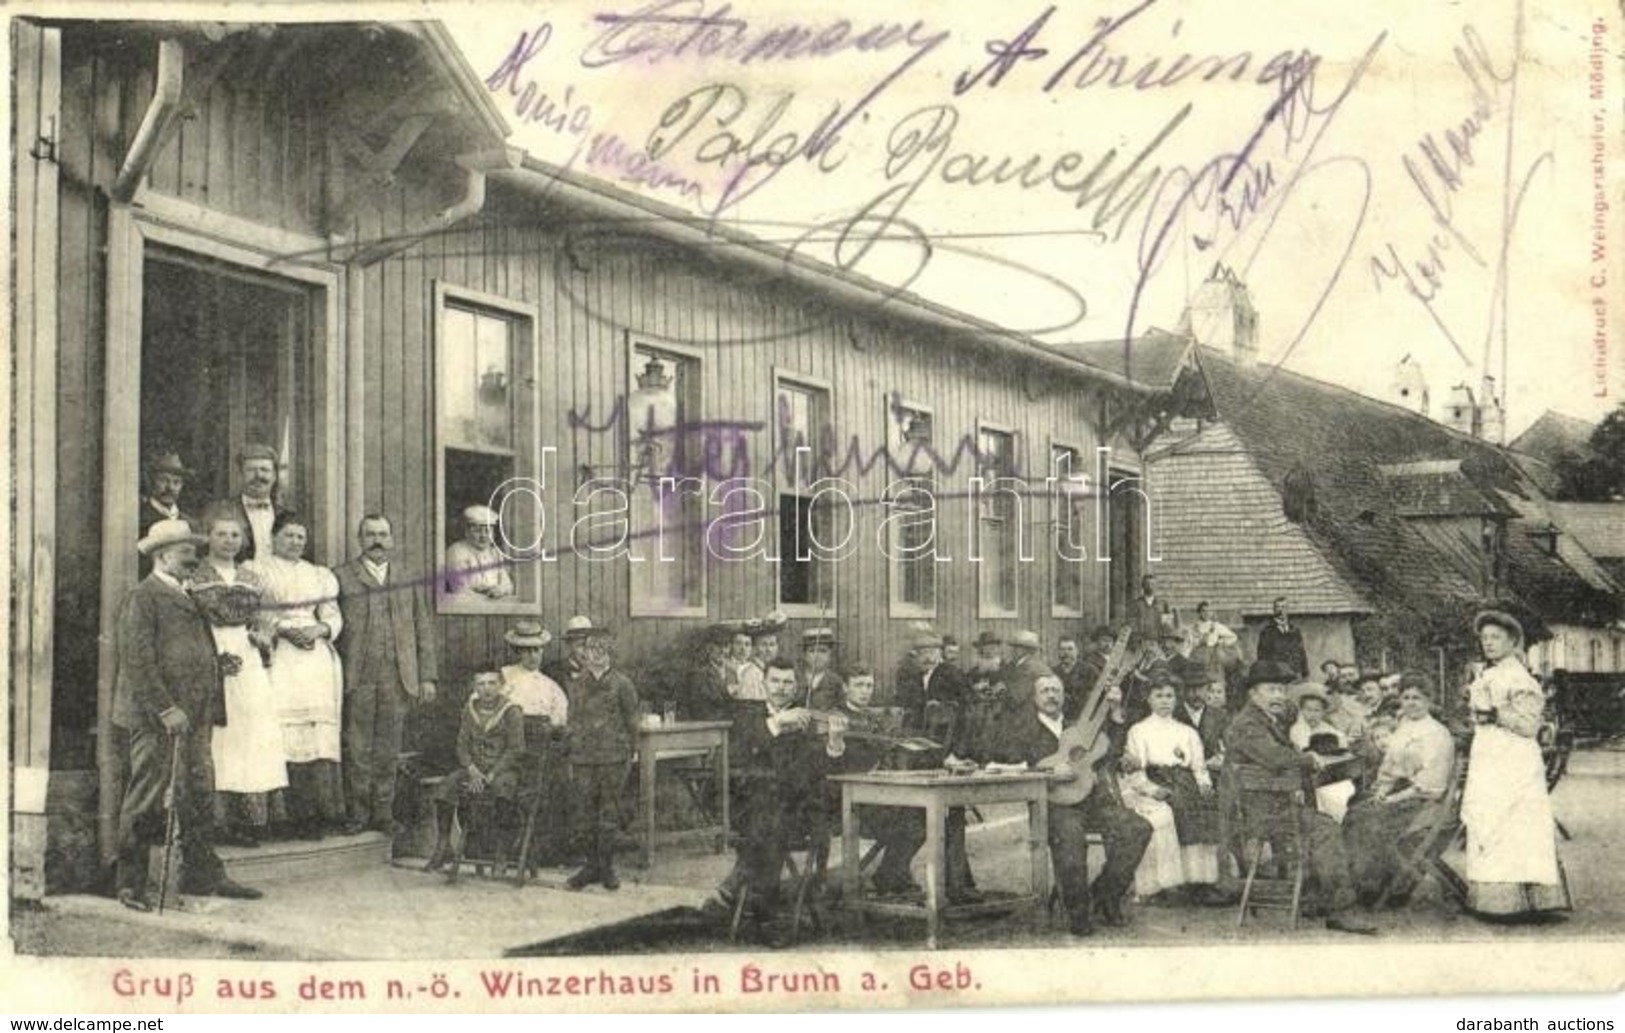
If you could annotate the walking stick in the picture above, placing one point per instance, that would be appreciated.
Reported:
(171, 824)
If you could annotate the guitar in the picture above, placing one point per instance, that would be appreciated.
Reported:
(1082, 746)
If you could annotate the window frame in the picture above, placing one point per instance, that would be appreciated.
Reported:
(634, 341)
(897, 607)
(808, 382)
(986, 609)
(1056, 608)
(1116, 467)
(524, 340)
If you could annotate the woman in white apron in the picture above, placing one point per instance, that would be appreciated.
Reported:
(248, 757)
(1512, 868)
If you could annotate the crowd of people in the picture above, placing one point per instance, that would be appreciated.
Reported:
(265, 694)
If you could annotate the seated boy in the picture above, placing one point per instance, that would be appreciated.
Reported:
(490, 743)
(898, 831)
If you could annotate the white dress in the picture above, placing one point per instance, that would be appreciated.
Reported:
(1165, 742)
(308, 684)
(248, 753)
(1511, 833)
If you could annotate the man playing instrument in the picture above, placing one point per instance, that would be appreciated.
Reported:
(1031, 736)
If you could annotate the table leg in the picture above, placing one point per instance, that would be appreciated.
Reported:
(851, 877)
(722, 790)
(646, 801)
(936, 868)
(1038, 852)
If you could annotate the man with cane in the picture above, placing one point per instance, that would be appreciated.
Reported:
(168, 696)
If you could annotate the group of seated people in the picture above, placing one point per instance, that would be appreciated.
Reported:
(1179, 766)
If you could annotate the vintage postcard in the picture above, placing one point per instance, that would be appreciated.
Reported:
(689, 505)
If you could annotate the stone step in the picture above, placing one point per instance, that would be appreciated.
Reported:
(294, 860)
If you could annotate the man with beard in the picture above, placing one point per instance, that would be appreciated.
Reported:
(388, 649)
(169, 696)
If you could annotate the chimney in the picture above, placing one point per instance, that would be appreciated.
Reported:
(1410, 386)
(1492, 416)
(1221, 315)
(1461, 411)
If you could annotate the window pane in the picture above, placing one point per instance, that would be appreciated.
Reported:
(997, 517)
(495, 382)
(455, 371)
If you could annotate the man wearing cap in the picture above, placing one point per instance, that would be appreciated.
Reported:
(817, 685)
(168, 695)
(928, 680)
(533, 692)
(565, 669)
(1026, 666)
(1269, 773)
(256, 507)
(476, 570)
(388, 649)
(603, 735)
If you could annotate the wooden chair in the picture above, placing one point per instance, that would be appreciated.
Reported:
(1420, 850)
(807, 881)
(1274, 819)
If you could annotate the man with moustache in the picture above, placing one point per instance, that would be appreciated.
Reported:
(166, 479)
(388, 649)
(1269, 773)
(169, 693)
(256, 507)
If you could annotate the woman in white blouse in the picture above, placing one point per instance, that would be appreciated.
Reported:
(307, 681)
(1169, 786)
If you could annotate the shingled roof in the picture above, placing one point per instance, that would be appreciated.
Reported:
(1363, 482)
(1554, 436)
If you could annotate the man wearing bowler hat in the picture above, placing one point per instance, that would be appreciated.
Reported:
(817, 684)
(255, 501)
(476, 570)
(168, 696)
(166, 478)
(1270, 774)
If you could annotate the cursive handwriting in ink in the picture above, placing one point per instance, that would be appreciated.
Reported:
(1302, 122)
(1438, 173)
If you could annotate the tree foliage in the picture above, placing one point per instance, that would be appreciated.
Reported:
(1600, 476)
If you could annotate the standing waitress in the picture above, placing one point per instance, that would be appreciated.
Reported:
(1512, 867)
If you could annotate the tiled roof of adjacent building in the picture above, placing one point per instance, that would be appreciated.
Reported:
(1554, 436)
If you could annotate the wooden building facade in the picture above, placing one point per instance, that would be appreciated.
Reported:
(316, 237)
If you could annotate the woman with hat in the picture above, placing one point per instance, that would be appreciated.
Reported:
(307, 682)
(1512, 867)
(1312, 732)
(535, 693)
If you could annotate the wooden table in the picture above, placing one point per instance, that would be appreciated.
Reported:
(670, 742)
(934, 792)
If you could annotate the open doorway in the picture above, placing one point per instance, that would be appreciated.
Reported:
(227, 360)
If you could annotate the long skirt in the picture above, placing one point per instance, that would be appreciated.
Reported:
(1167, 863)
(1511, 863)
(248, 752)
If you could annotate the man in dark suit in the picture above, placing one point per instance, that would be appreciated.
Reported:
(388, 649)
(169, 696)
(166, 478)
(255, 503)
(1025, 667)
(817, 684)
(1209, 721)
(1074, 675)
(927, 680)
(1269, 774)
(1031, 736)
(1280, 642)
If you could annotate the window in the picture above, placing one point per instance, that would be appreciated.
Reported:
(667, 559)
(911, 514)
(1596, 655)
(485, 389)
(1068, 518)
(1127, 515)
(998, 523)
(807, 532)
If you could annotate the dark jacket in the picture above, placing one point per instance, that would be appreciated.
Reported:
(794, 761)
(830, 694)
(1210, 729)
(947, 685)
(603, 725)
(166, 658)
(496, 750)
(250, 547)
(409, 632)
(1024, 739)
(1259, 755)
(1284, 647)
